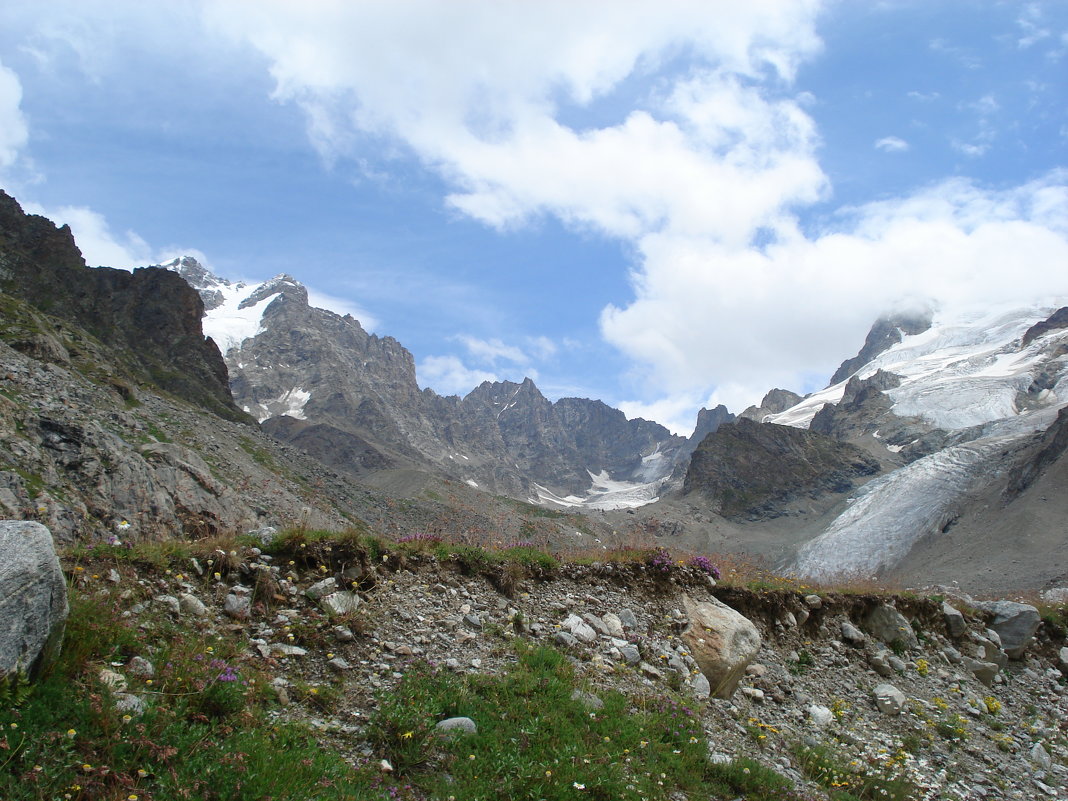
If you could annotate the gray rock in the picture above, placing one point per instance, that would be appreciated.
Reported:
(1015, 623)
(819, 716)
(955, 623)
(700, 686)
(596, 624)
(649, 671)
(813, 601)
(321, 588)
(129, 704)
(343, 634)
(1041, 757)
(340, 603)
(189, 604)
(627, 618)
(473, 621)
(889, 699)
(566, 639)
(169, 602)
(614, 625)
(880, 662)
(282, 649)
(33, 598)
(721, 641)
(888, 625)
(339, 665)
(984, 671)
(237, 607)
(588, 700)
(580, 629)
(631, 654)
(139, 666)
(461, 724)
(897, 664)
(852, 635)
(1062, 660)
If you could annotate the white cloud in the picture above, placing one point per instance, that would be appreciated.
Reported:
(100, 246)
(342, 306)
(14, 132)
(450, 376)
(744, 320)
(891, 144)
(492, 350)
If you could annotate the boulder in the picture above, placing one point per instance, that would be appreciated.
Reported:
(1015, 623)
(955, 623)
(888, 625)
(889, 699)
(721, 641)
(33, 598)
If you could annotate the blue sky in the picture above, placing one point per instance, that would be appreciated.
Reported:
(660, 205)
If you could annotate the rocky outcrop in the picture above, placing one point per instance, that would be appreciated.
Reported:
(722, 642)
(151, 315)
(884, 334)
(753, 471)
(775, 401)
(361, 409)
(33, 599)
(1059, 319)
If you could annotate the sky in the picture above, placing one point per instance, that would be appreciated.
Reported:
(664, 205)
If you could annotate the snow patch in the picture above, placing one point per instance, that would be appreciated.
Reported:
(469, 482)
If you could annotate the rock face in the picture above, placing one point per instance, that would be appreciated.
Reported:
(885, 333)
(753, 470)
(33, 598)
(320, 381)
(775, 401)
(150, 315)
(1015, 623)
(722, 642)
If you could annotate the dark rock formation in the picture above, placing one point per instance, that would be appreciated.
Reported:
(750, 470)
(151, 314)
(884, 334)
(775, 401)
(1059, 319)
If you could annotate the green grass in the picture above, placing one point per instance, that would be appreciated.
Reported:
(882, 781)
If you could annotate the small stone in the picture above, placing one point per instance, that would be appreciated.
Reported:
(237, 607)
(756, 669)
(955, 623)
(802, 616)
(140, 666)
(888, 625)
(819, 716)
(649, 671)
(566, 639)
(588, 700)
(340, 603)
(385, 767)
(614, 625)
(339, 665)
(1041, 757)
(282, 649)
(880, 663)
(129, 704)
(889, 699)
(627, 618)
(113, 576)
(813, 601)
(754, 693)
(473, 621)
(460, 724)
(189, 604)
(1062, 660)
(343, 634)
(168, 602)
(321, 588)
(630, 653)
(596, 624)
(701, 688)
(851, 634)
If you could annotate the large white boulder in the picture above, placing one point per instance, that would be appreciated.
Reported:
(722, 642)
(33, 598)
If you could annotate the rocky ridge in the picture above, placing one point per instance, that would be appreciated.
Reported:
(921, 688)
(359, 390)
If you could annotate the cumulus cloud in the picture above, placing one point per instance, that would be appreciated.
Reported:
(702, 173)
(450, 376)
(100, 246)
(14, 132)
(891, 144)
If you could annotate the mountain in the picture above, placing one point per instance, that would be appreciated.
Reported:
(318, 380)
(963, 407)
